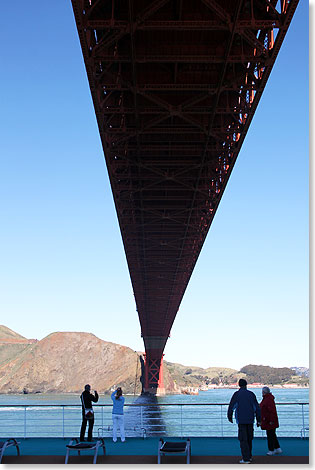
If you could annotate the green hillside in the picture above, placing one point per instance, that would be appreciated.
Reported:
(272, 375)
(191, 376)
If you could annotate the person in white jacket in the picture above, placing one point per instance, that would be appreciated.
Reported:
(118, 414)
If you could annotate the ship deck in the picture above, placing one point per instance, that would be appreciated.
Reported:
(204, 450)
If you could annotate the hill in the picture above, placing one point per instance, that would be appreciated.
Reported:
(191, 376)
(8, 335)
(66, 361)
(272, 375)
(11, 345)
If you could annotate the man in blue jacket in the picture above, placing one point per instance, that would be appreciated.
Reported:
(246, 408)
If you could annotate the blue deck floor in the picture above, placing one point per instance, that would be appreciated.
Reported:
(149, 446)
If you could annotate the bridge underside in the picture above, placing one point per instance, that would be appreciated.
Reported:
(175, 84)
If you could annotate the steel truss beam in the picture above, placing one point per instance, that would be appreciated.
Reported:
(175, 86)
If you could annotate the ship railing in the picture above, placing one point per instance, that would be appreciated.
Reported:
(144, 419)
(305, 432)
(106, 431)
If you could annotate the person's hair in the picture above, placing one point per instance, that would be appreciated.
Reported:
(118, 393)
(87, 387)
(266, 390)
(242, 383)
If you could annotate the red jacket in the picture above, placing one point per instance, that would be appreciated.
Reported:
(269, 417)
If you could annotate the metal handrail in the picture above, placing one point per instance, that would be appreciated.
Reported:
(172, 419)
(136, 404)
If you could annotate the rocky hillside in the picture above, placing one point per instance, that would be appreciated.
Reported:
(11, 345)
(65, 362)
(7, 335)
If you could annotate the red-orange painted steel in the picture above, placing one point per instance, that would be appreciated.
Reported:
(175, 84)
(153, 377)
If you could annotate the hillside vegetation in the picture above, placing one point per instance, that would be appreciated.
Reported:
(271, 375)
(190, 376)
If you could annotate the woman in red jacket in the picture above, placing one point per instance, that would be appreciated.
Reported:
(269, 421)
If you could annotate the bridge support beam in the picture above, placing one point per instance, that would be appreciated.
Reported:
(153, 379)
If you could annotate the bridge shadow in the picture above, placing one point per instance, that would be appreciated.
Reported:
(145, 419)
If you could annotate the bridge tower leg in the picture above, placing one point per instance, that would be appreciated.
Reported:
(153, 380)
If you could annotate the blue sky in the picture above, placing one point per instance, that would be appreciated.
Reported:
(62, 264)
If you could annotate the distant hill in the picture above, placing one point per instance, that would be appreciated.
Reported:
(191, 376)
(66, 361)
(272, 375)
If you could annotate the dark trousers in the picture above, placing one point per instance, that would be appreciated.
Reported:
(83, 428)
(272, 440)
(245, 436)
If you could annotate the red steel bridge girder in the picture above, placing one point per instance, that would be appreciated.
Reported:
(175, 84)
(153, 375)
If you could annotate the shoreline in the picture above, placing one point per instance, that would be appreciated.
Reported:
(222, 387)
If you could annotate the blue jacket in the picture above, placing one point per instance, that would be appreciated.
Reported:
(246, 407)
(118, 405)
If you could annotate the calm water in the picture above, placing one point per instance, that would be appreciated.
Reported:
(34, 415)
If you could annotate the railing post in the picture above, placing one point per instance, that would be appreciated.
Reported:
(221, 421)
(63, 421)
(181, 420)
(303, 424)
(141, 416)
(102, 417)
(24, 422)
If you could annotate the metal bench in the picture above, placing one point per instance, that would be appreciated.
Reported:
(75, 444)
(174, 448)
(8, 443)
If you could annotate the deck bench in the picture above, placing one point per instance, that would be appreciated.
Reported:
(174, 448)
(8, 443)
(78, 446)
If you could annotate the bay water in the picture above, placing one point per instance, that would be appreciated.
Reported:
(59, 415)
